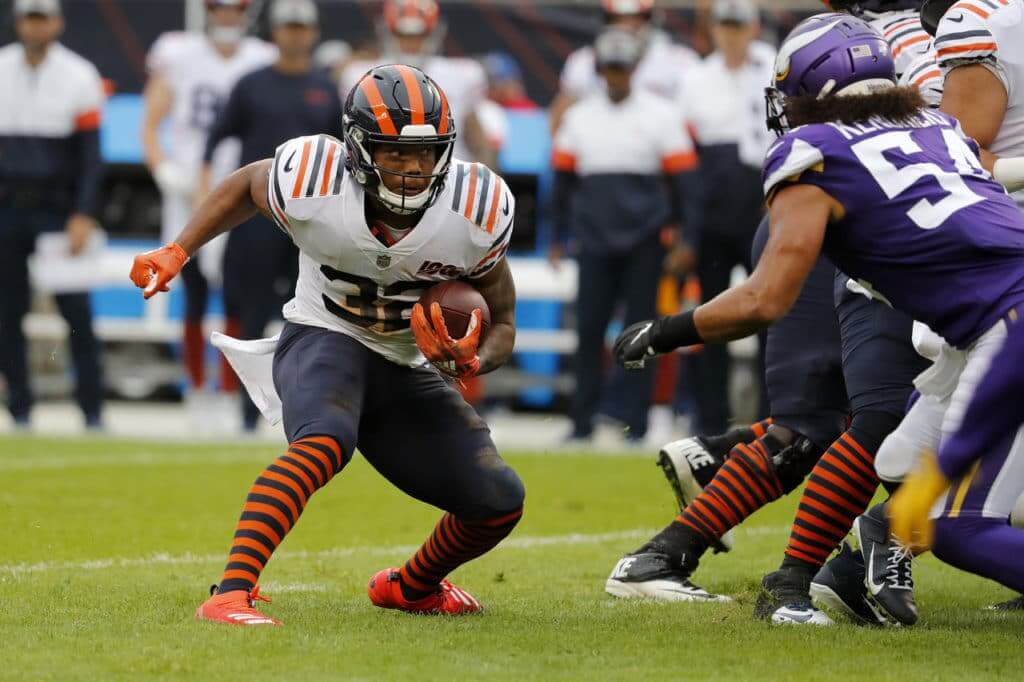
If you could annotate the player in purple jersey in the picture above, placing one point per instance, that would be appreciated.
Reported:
(890, 191)
(982, 468)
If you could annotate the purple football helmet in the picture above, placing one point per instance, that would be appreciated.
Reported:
(824, 55)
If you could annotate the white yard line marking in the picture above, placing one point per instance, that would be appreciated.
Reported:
(526, 542)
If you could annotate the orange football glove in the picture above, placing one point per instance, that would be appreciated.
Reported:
(454, 357)
(151, 271)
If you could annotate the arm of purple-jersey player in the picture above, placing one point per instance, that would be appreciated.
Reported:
(499, 290)
(799, 215)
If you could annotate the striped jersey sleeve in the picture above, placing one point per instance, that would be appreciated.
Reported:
(480, 196)
(924, 75)
(303, 168)
(905, 35)
(963, 34)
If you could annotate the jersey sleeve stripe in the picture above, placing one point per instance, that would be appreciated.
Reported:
(971, 8)
(340, 173)
(297, 188)
(897, 49)
(901, 24)
(492, 214)
(988, 3)
(486, 174)
(276, 200)
(958, 50)
(317, 160)
(471, 192)
(460, 173)
(951, 37)
(921, 80)
(328, 167)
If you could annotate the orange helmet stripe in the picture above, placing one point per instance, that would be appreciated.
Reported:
(412, 88)
(442, 125)
(380, 110)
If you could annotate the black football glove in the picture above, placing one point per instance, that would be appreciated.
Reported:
(633, 346)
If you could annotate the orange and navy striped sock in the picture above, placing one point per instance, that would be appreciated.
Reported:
(274, 504)
(454, 542)
(745, 483)
(721, 444)
(838, 490)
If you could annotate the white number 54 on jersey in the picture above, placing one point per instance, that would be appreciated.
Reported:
(895, 180)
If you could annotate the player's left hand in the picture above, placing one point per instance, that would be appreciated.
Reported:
(633, 346)
(911, 505)
(454, 357)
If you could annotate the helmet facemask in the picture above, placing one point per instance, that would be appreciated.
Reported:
(370, 174)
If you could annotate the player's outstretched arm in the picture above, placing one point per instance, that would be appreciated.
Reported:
(499, 290)
(235, 200)
(799, 216)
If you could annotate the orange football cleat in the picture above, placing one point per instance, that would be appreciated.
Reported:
(385, 590)
(235, 608)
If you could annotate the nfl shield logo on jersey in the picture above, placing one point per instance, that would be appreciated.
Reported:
(383, 260)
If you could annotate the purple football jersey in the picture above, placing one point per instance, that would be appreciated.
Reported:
(925, 226)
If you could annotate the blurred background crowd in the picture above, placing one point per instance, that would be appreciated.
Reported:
(631, 131)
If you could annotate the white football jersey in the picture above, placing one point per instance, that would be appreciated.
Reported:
(989, 32)
(923, 73)
(463, 81)
(201, 79)
(349, 281)
(661, 69)
(903, 31)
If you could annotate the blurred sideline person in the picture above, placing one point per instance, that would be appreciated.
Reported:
(412, 32)
(190, 75)
(286, 100)
(660, 70)
(50, 171)
(610, 191)
(723, 102)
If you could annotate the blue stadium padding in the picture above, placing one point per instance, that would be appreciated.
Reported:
(527, 148)
(118, 302)
(121, 131)
(538, 315)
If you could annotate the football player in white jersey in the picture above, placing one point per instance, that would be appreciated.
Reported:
(411, 32)
(377, 220)
(190, 76)
(977, 47)
(661, 69)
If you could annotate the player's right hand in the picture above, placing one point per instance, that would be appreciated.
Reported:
(152, 270)
(633, 346)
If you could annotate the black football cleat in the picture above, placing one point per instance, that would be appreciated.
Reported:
(652, 575)
(785, 600)
(689, 465)
(1011, 605)
(887, 562)
(839, 585)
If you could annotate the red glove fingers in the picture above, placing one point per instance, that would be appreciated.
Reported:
(152, 270)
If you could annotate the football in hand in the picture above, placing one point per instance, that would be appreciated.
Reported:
(457, 300)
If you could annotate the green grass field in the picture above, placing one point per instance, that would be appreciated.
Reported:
(108, 547)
